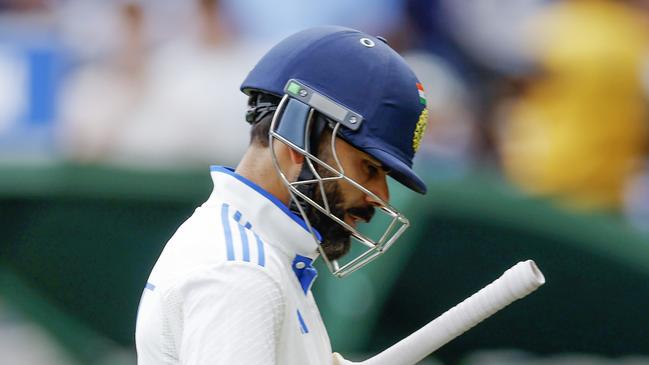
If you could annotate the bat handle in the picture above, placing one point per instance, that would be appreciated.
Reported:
(339, 360)
(517, 282)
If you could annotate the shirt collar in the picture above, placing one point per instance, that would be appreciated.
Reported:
(304, 271)
(268, 216)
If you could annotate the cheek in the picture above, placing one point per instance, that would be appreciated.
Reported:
(355, 170)
(352, 196)
(351, 163)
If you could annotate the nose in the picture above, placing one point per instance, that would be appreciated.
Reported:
(380, 188)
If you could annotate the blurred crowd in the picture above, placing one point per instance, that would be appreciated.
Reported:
(551, 94)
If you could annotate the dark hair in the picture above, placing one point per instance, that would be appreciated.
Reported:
(261, 109)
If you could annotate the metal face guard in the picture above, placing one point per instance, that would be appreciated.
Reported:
(397, 222)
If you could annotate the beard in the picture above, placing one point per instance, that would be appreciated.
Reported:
(336, 239)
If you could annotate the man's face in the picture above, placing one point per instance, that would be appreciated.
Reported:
(346, 201)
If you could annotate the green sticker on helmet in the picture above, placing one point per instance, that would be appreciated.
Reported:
(293, 88)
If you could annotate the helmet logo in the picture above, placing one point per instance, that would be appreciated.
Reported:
(423, 119)
(367, 42)
(419, 129)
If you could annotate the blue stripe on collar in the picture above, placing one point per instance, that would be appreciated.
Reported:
(269, 196)
(304, 271)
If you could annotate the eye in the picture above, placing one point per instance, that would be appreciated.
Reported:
(372, 170)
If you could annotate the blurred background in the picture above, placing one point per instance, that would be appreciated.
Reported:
(536, 147)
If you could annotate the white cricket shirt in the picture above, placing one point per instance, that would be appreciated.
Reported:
(232, 286)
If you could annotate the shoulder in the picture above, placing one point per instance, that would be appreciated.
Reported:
(241, 243)
(216, 241)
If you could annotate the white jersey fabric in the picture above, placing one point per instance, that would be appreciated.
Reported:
(232, 286)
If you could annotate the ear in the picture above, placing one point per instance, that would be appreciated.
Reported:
(290, 161)
(296, 157)
(297, 161)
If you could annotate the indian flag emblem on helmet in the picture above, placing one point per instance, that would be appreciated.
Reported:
(422, 96)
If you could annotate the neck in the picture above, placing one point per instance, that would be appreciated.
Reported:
(257, 166)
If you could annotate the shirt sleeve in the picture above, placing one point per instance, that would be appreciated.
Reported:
(231, 315)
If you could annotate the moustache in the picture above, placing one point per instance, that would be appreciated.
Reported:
(366, 213)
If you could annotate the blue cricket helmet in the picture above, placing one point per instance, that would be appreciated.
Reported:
(365, 76)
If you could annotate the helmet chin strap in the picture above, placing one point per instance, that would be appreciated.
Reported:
(317, 126)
